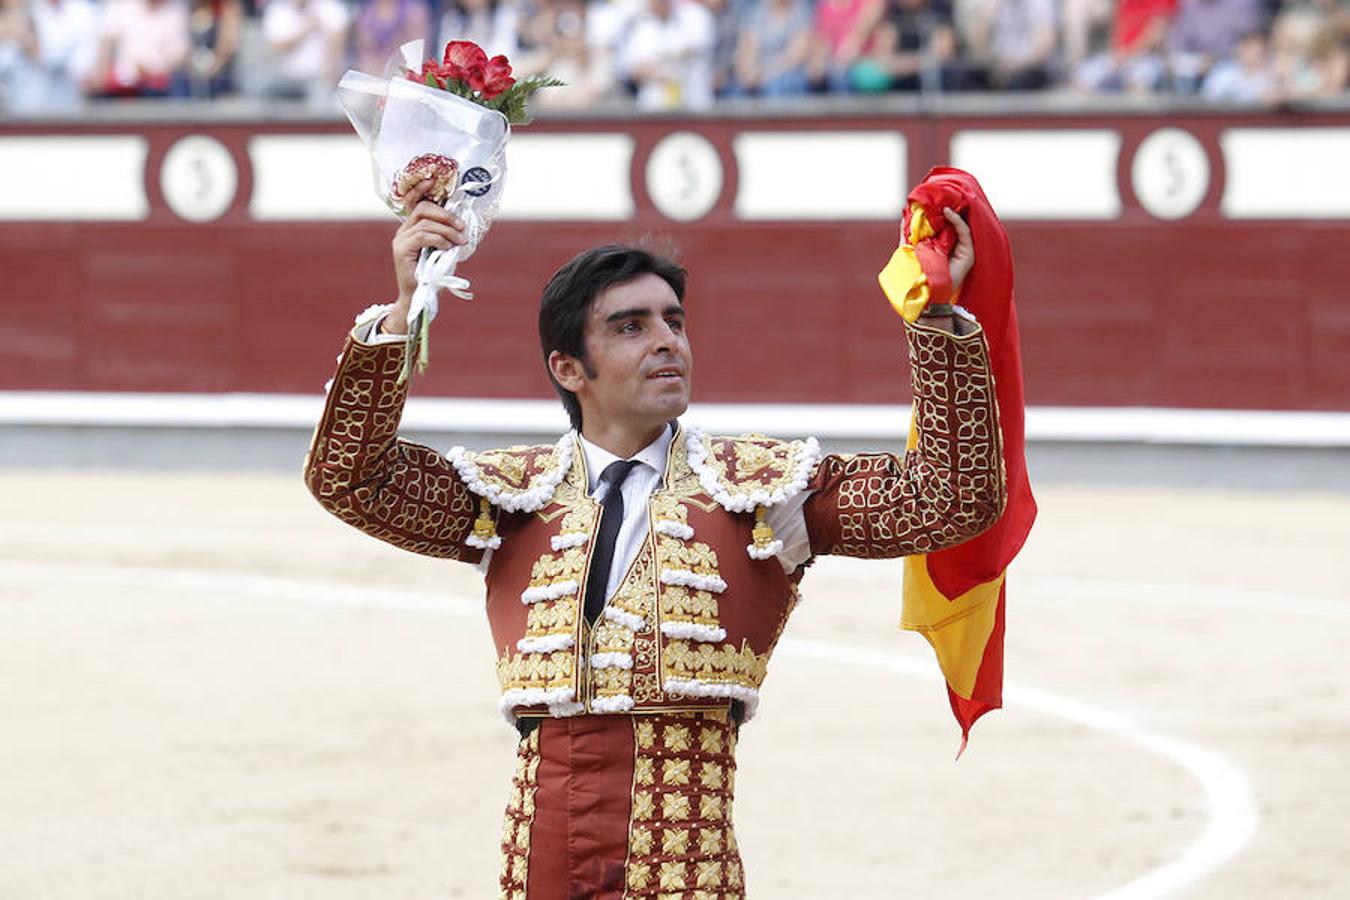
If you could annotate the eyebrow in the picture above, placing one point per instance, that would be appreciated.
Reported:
(638, 312)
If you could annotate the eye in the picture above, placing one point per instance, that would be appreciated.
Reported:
(629, 327)
(676, 325)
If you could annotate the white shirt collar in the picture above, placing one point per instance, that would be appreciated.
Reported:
(653, 455)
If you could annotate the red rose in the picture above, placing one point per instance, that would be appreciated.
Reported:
(496, 77)
(464, 55)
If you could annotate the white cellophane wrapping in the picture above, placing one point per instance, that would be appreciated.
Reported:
(400, 120)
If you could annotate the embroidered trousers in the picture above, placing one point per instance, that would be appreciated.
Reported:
(605, 807)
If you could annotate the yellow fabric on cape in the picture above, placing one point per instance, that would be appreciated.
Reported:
(903, 280)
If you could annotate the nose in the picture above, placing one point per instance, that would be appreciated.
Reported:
(665, 337)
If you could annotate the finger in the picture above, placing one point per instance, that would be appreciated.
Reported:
(413, 243)
(414, 194)
(954, 217)
(449, 232)
(427, 210)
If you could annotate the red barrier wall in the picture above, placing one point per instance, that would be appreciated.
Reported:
(1209, 310)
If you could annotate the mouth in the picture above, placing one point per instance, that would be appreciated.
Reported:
(669, 373)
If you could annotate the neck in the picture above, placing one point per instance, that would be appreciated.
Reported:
(623, 440)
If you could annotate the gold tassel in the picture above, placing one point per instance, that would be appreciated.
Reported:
(763, 533)
(484, 528)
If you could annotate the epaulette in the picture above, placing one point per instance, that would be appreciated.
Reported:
(751, 473)
(517, 479)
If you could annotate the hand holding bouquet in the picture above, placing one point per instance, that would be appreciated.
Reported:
(447, 123)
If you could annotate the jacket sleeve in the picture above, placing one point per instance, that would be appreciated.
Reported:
(360, 471)
(946, 489)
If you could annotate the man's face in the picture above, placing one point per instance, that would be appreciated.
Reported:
(639, 358)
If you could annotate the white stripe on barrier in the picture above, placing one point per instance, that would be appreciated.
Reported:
(69, 178)
(816, 175)
(1125, 425)
(319, 177)
(312, 177)
(1061, 173)
(1286, 173)
(569, 177)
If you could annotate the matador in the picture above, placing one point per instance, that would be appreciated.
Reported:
(639, 571)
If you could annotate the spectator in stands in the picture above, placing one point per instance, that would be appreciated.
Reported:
(491, 24)
(1310, 51)
(214, 30)
(1203, 32)
(1246, 76)
(915, 47)
(17, 47)
(729, 17)
(773, 50)
(1017, 38)
(307, 40)
(63, 53)
(382, 26)
(844, 32)
(557, 40)
(1136, 60)
(667, 55)
(144, 44)
(1086, 30)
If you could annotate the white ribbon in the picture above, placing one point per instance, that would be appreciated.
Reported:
(436, 268)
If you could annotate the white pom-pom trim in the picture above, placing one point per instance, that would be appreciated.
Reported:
(674, 529)
(611, 661)
(768, 551)
(548, 591)
(546, 644)
(743, 501)
(491, 543)
(693, 631)
(691, 687)
(532, 498)
(617, 703)
(569, 540)
(533, 697)
(328, 385)
(373, 312)
(626, 619)
(694, 580)
(570, 708)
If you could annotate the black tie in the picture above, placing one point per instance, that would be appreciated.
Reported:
(610, 519)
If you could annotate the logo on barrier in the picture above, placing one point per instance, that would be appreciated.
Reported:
(1170, 173)
(684, 176)
(198, 178)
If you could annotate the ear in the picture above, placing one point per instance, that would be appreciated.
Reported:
(567, 371)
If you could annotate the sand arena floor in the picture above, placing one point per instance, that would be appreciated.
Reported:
(209, 689)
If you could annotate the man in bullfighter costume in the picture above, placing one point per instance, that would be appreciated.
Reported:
(639, 572)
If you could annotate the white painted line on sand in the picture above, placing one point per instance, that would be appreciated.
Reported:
(1231, 814)
(1283, 602)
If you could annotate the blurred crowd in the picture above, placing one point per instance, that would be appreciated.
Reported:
(681, 54)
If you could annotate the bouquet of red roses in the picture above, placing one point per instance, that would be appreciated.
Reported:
(447, 121)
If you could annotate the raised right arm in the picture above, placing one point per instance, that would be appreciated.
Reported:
(360, 471)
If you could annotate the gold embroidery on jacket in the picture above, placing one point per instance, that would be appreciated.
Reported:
(554, 568)
(710, 664)
(547, 671)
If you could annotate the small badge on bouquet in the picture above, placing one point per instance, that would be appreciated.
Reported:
(447, 122)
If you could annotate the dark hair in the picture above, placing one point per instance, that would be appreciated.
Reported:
(573, 288)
